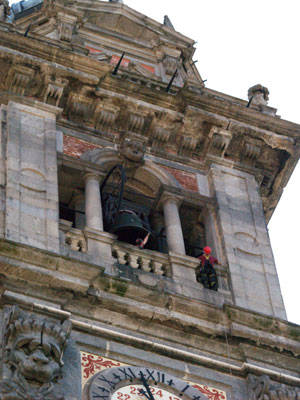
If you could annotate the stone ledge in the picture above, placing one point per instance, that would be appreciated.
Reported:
(20, 262)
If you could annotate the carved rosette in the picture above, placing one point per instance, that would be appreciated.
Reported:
(33, 352)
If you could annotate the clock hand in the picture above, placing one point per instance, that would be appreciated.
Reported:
(145, 384)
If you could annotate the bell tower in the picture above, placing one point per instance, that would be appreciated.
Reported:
(134, 251)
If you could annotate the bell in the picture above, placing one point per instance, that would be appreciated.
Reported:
(129, 227)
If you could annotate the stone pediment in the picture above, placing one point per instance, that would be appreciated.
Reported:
(106, 30)
(113, 17)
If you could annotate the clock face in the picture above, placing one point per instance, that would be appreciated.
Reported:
(138, 383)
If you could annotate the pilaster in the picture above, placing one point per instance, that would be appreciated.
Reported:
(31, 169)
(247, 246)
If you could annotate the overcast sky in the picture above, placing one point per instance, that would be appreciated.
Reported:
(239, 44)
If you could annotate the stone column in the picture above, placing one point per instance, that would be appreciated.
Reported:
(98, 242)
(182, 266)
(172, 223)
(78, 204)
(93, 207)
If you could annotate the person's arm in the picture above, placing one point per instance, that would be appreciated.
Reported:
(144, 242)
(214, 261)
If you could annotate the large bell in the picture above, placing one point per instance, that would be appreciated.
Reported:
(129, 227)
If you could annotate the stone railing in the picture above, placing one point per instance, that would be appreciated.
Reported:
(181, 268)
(145, 260)
(72, 237)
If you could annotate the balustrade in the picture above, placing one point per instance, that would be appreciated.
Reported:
(145, 260)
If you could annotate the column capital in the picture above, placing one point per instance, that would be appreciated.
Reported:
(92, 175)
(168, 196)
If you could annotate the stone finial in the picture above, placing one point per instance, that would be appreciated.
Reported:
(167, 22)
(4, 10)
(258, 94)
(33, 351)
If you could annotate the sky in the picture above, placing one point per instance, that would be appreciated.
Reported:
(239, 44)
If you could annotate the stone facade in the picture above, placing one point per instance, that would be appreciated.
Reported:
(105, 119)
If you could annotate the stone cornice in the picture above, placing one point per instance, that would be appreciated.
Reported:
(226, 108)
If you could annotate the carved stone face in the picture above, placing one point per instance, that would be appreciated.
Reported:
(133, 150)
(35, 360)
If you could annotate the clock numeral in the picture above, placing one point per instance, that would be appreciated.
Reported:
(150, 375)
(183, 390)
(127, 375)
(132, 373)
(98, 396)
(197, 398)
(160, 377)
(103, 379)
(103, 389)
(117, 377)
(170, 382)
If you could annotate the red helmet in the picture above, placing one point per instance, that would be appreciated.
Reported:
(207, 250)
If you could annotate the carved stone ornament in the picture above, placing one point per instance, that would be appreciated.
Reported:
(32, 363)
(132, 151)
(258, 94)
(4, 10)
(261, 388)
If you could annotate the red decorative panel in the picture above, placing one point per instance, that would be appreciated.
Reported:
(148, 67)
(188, 180)
(115, 59)
(93, 51)
(211, 393)
(76, 147)
(91, 363)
